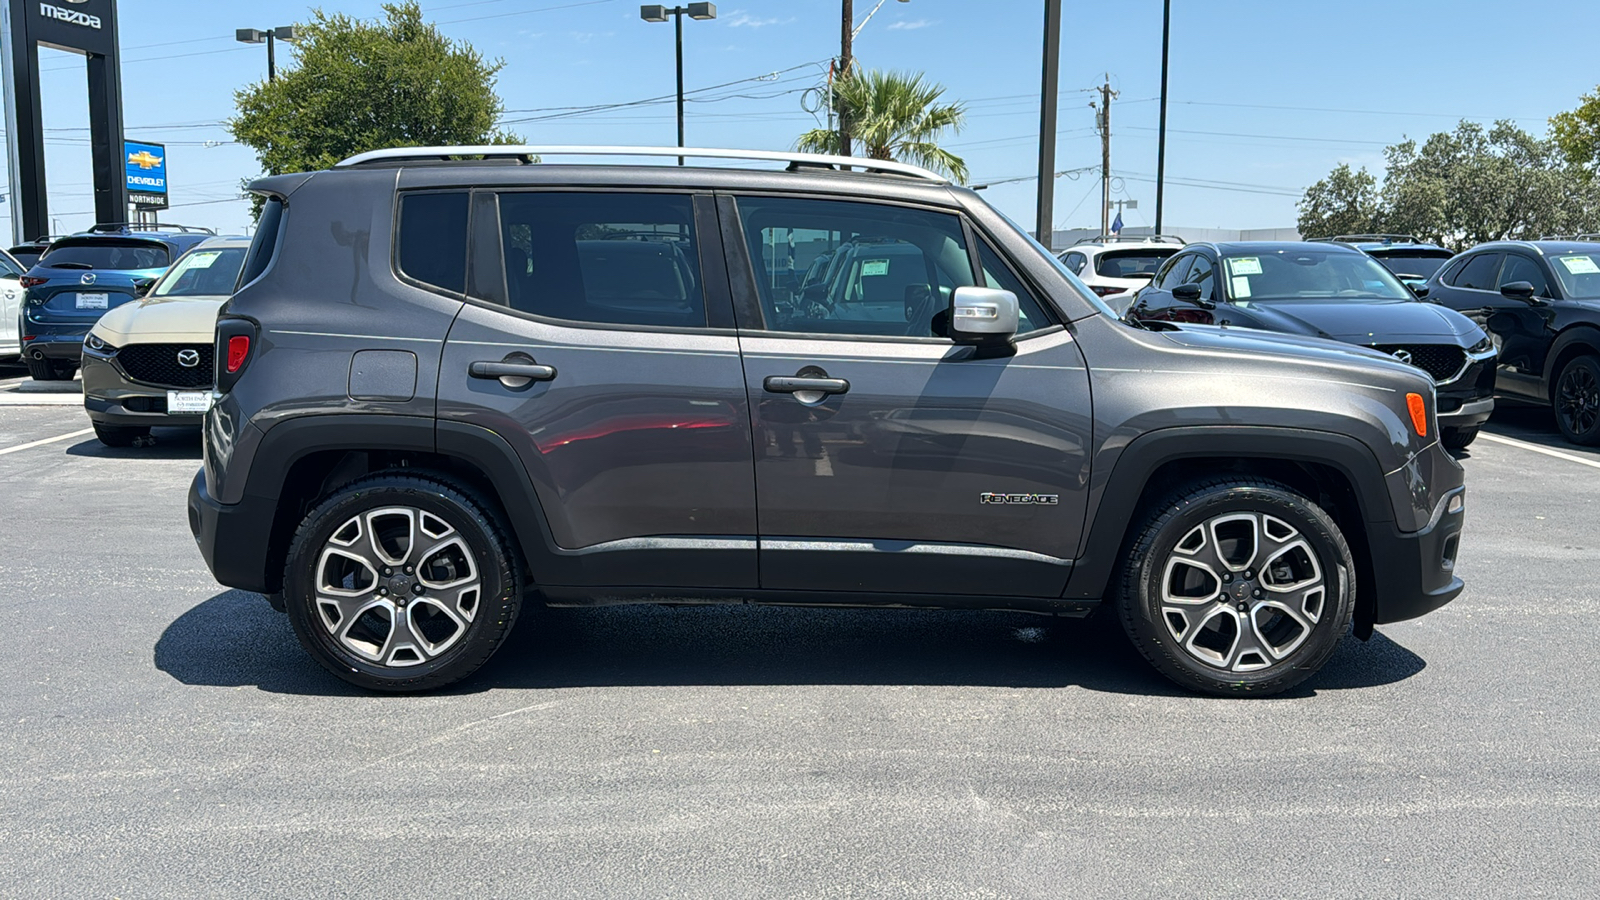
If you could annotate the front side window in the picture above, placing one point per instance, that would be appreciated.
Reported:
(202, 273)
(1201, 273)
(1297, 273)
(1478, 273)
(10, 267)
(996, 274)
(433, 239)
(1521, 268)
(1075, 262)
(615, 259)
(1171, 274)
(893, 268)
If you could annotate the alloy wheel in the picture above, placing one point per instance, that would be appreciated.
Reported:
(1241, 591)
(1578, 399)
(396, 586)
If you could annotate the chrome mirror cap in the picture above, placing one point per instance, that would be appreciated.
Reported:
(984, 313)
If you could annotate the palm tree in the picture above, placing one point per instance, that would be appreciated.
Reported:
(893, 115)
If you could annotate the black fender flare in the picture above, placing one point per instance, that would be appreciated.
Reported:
(1120, 499)
(1583, 334)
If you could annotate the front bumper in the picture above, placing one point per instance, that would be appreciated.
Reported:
(233, 538)
(110, 397)
(1468, 399)
(1466, 414)
(1414, 572)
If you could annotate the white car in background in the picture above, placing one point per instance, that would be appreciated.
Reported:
(149, 362)
(1113, 265)
(11, 273)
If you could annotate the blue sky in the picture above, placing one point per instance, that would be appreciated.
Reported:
(1266, 95)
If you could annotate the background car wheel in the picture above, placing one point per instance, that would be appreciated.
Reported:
(119, 435)
(50, 369)
(1577, 400)
(1458, 438)
(401, 583)
(1237, 586)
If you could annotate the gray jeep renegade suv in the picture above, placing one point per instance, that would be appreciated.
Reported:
(448, 385)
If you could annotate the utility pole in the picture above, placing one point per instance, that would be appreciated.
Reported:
(1103, 123)
(846, 36)
(1161, 139)
(1047, 122)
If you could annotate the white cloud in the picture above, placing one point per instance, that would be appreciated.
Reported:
(913, 25)
(741, 19)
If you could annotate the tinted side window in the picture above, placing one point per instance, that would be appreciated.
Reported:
(1201, 274)
(1075, 262)
(433, 239)
(1172, 272)
(615, 259)
(894, 269)
(1521, 268)
(1479, 272)
(997, 274)
(265, 242)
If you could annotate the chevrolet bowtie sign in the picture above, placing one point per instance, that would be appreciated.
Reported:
(70, 16)
(146, 174)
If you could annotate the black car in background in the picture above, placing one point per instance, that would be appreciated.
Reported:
(28, 252)
(1540, 302)
(1333, 291)
(1411, 260)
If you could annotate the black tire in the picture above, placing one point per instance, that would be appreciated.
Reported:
(1187, 639)
(348, 646)
(1576, 398)
(1458, 438)
(51, 369)
(119, 435)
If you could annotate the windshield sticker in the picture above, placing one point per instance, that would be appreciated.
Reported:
(1579, 265)
(875, 267)
(1241, 286)
(202, 260)
(1245, 265)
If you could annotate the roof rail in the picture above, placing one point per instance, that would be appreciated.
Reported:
(527, 153)
(1586, 236)
(1131, 239)
(125, 227)
(1383, 238)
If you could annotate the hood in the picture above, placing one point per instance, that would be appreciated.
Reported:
(1263, 343)
(161, 320)
(1361, 321)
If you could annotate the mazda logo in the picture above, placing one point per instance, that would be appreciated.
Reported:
(1404, 356)
(86, 278)
(188, 358)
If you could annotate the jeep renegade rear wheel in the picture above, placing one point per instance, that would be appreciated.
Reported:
(1238, 586)
(401, 583)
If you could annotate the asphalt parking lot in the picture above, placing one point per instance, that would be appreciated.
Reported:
(168, 737)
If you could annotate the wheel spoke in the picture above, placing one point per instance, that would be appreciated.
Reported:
(446, 564)
(392, 534)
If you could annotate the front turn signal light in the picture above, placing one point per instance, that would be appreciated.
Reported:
(1419, 413)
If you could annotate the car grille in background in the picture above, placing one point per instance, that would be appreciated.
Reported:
(158, 364)
(1442, 361)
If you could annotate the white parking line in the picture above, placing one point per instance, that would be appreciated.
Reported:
(1535, 448)
(49, 440)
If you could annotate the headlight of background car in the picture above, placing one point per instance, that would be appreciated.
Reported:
(1483, 346)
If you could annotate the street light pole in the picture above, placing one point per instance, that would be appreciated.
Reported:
(1161, 139)
(268, 36)
(1047, 122)
(656, 13)
(847, 34)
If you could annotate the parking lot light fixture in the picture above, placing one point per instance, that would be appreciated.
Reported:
(658, 13)
(268, 36)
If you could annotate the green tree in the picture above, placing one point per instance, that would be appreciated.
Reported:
(1577, 133)
(893, 115)
(367, 85)
(1346, 202)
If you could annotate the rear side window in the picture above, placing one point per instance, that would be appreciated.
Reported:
(107, 253)
(265, 242)
(1478, 273)
(433, 239)
(614, 259)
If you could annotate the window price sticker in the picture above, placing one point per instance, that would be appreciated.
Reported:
(1579, 265)
(1245, 265)
(875, 267)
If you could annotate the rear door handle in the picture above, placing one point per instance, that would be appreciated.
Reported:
(508, 370)
(792, 384)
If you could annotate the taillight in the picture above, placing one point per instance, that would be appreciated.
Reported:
(29, 281)
(1105, 290)
(238, 351)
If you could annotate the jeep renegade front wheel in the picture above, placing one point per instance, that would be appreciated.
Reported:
(401, 583)
(1238, 586)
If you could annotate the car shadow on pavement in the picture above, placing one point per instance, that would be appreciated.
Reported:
(170, 443)
(235, 639)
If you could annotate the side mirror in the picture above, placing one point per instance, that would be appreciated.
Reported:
(1518, 290)
(142, 286)
(1190, 293)
(983, 315)
(1418, 288)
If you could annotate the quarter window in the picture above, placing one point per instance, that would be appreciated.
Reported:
(997, 274)
(1478, 274)
(616, 259)
(433, 239)
(1075, 262)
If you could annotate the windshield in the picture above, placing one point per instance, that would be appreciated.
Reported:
(1298, 273)
(103, 254)
(1131, 263)
(202, 273)
(1088, 296)
(1412, 264)
(1579, 274)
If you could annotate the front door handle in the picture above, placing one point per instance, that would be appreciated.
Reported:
(516, 371)
(794, 384)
